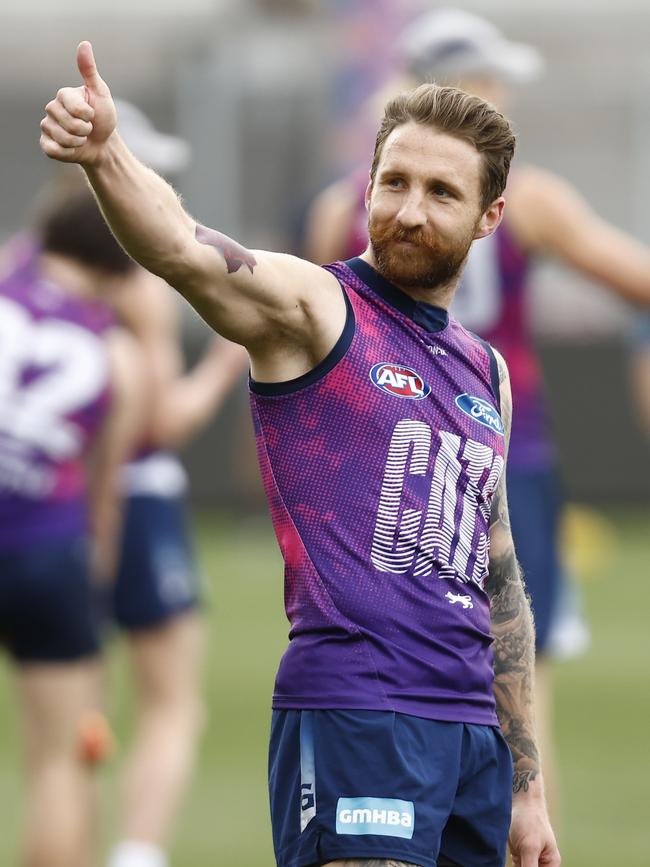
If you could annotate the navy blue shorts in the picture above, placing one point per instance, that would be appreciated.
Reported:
(49, 609)
(156, 578)
(534, 502)
(380, 785)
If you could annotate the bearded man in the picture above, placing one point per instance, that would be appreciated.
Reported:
(402, 730)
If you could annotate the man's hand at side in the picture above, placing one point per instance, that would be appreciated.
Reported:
(531, 839)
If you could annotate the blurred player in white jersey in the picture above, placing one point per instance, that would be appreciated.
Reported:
(71, 401)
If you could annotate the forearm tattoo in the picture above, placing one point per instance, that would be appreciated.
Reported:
(514, 640)
(520, 780)
(234, 254)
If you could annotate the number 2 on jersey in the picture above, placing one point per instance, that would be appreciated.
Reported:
(69, 371)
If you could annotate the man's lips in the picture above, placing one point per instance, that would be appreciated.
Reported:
(406, 242)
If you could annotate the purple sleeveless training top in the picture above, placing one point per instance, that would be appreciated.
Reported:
(380, 467)
(54, 392)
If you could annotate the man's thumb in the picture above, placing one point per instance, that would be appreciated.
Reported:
(88, 67)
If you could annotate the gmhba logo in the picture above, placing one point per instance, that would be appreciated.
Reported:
(386, 817)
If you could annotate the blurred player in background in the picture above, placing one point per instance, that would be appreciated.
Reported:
(640, 370)
(545, 216)
(71, 399)
(156, 598)
(155, 593)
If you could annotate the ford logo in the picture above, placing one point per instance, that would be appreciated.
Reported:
(481, 411)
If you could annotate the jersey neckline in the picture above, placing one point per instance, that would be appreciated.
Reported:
(429, 317)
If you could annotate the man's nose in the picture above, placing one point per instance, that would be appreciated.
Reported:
(412, 213)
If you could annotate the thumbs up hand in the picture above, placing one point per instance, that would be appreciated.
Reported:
(79, 120)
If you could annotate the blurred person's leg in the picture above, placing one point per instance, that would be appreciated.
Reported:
(51, 625)
(156, 603)
(569, 636)
(166, 664)
(61, 801)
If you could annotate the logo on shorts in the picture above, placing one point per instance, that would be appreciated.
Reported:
(481, 411)
(399, 380)
(387, 817)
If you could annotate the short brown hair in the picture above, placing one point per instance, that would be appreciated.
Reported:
(73, 226)
(459, 114)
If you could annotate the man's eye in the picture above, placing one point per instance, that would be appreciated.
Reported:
(441, 192)
(395, 183)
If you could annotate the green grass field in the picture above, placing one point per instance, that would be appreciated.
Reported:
(602, 718)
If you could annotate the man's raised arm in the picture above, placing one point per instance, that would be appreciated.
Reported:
(262, 300)
(531, 837)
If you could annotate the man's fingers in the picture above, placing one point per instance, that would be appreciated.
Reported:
(529, 856)
(60, 135)
(62, 127)
(58, 113)
(88, 67)
(55, 151)
(73, 99)
(551, 858)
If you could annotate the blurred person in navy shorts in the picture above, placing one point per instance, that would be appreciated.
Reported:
(71, 407)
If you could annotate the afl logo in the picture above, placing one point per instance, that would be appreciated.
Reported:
(481, 411)
(399, 380)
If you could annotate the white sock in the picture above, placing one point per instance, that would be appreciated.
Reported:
(135, 853)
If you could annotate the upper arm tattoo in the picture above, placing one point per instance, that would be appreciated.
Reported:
(505, 395)
(513, 631)
(234, 254)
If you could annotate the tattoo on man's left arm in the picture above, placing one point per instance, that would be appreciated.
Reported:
(512, 628)
(514, 648)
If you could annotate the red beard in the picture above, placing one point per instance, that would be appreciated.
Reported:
(428, 264)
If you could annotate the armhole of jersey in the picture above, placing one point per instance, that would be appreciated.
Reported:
(494, 370)
(274, 389)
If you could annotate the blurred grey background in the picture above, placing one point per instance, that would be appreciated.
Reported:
(256, 87)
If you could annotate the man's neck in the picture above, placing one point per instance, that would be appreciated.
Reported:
(440, 296)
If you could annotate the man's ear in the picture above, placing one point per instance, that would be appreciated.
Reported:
(491, 218)
(368, 194)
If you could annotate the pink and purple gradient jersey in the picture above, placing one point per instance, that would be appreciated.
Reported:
(54, 393)
(380, 467)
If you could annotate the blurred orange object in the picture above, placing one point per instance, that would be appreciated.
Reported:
(96, 740)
